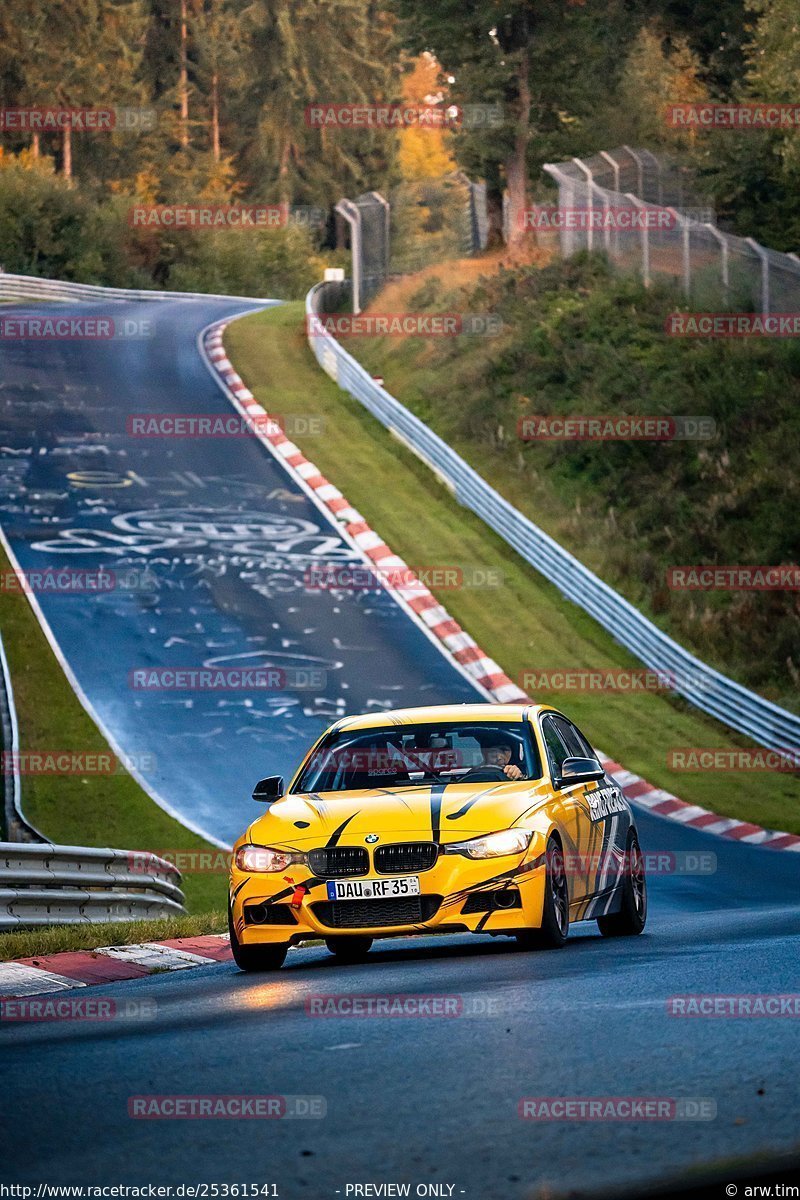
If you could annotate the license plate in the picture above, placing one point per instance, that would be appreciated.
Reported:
(372, 889)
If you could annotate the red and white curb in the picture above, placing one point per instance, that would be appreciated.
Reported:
(414, 595)
(455, 641)
(108, 964)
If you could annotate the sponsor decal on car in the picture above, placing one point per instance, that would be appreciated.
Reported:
(604, 802)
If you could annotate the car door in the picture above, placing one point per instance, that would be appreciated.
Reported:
(574, 808)
(602, 830)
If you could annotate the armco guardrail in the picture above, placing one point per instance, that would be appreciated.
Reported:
(17, 827)
(68, 885)
(30, 287)
(734, 705)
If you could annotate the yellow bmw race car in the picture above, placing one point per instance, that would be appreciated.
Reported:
(484, 818)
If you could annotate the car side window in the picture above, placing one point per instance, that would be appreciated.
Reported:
(556, 750)
(576, 744)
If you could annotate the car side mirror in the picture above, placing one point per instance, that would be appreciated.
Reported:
(268, 789)
(579, 770)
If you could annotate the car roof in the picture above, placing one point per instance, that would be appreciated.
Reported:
(472, 713)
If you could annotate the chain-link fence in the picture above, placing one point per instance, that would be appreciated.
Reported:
(367, 221)
(427, 221)
(644, 213)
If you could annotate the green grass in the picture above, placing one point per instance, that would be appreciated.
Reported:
(577, 339)
(94, 810)
(56, 939)
(524, 624)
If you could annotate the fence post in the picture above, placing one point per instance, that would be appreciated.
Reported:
(762, 254)
(644, 235)
(351, 214)
(687, 260)
(723, 244)
(639, 169)
(590, 180)
(615, 168)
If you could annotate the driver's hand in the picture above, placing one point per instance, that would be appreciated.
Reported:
(512, 772)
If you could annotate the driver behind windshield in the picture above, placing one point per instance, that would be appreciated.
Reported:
(496, 753)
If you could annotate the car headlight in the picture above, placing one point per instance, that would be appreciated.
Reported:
(264, 858)
(494, 845)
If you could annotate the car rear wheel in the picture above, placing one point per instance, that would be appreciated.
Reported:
(256, 958)
(555, 915)
(349, 949)
(632, 916)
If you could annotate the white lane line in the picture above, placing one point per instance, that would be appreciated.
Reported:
(18, 979)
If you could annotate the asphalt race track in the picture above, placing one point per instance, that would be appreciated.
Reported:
(427, 1100)
(435, 1100)
(209, 543)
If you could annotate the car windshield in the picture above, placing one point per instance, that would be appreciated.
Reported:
(404, 755)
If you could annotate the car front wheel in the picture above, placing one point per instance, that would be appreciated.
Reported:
(555, 915)
(632, 915)
(256, 958)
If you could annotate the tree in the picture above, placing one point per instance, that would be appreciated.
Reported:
(424, 152)
(305, 52)
(656, 75)
(536, 64)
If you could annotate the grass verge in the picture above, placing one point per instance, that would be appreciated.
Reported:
(92, 810)
(55, 939)
(524, 623)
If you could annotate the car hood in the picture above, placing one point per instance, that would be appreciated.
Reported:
(437, 812)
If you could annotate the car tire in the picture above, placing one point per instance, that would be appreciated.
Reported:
(349, 949)
(555, 914)
(256, 958)
(632, 916)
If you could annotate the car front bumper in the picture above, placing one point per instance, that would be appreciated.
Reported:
(457, 894)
